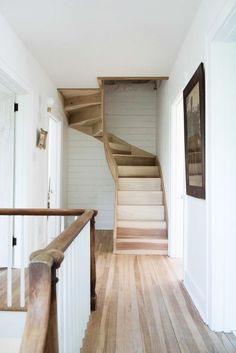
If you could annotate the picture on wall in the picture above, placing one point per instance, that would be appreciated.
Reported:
(194, 130)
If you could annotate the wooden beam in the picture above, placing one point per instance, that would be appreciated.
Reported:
(130, 78)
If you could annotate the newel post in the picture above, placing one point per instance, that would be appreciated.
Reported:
(52, 333)
(52, 342)
(93, 265)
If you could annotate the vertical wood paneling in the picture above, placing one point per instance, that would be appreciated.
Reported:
(130, 112)
(90, 184)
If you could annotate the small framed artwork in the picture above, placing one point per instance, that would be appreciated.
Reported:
(42, 139)
(194, 131)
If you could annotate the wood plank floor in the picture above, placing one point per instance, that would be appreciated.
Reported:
(15, 290)
(144, 308)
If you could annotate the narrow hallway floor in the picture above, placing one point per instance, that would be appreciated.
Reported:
(144, 308)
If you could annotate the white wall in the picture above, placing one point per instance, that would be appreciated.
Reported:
(130, 111)
(11, 330)
(22, 73)
(191, 54)
(90, 183)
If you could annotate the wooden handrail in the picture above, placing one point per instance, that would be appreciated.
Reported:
(43, 212)
(41, 334)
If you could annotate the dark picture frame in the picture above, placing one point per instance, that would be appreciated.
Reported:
(194, 133)
(42, 139)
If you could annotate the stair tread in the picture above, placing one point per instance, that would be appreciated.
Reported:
(133, 156)
(142, 252)
(77, 107)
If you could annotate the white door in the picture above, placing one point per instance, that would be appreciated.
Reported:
(54, 174)
(177, 179)
(7, 129)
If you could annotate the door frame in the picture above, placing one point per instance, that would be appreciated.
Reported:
(173, 238)
(58, 171)
(24, 97)
(221, 262)
(54, 224)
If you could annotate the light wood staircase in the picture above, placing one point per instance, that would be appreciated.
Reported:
(140, 213)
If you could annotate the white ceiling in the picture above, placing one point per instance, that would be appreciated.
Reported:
(78, 40)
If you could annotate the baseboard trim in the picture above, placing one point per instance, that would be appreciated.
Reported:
(196, 295)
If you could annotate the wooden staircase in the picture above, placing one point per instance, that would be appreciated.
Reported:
(140, 214)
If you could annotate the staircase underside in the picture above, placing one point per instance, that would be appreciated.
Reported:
(140, 219)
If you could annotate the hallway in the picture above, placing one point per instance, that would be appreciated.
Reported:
(144, 308)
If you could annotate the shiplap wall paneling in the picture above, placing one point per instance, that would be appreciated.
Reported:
(130, 111)
(90, 184)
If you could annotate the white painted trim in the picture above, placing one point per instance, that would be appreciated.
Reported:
(21, 158)
(196, 294)
(12, 324)
(218, 251)
(59, 120)
(173, 250)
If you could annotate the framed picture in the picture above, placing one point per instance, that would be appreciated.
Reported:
(42, 139)
(194, 131)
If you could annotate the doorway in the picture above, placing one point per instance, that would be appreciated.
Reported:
(54, 174)
(7, 171)
(177, 179)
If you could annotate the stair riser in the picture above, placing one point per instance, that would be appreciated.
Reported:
(135, 161)
(141, 224)
(140, 198)
(80, 100)
(139, 232)
(151, 246)
(120, 152)
(85, 114)
(140, 213)
(127, 171)
(140, 184)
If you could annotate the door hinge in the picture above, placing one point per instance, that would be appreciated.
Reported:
(16, 107)
(14, 241)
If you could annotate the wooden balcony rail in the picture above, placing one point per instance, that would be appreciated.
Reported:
(41, 328)
(43, 212)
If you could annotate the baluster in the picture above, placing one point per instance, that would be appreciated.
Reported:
(22, 264)
(62, 219)
(9, 262)
(93, 265)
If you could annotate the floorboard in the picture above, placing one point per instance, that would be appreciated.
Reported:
(143, 307)
(15, 290)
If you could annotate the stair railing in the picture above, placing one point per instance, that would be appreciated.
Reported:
(57, 315)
